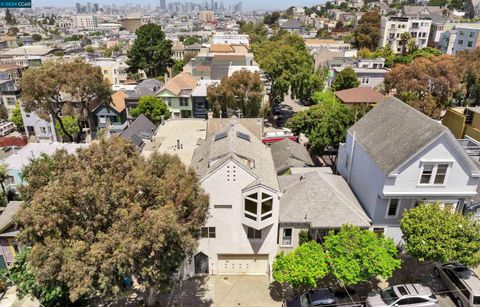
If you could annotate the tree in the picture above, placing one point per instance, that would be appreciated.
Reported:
(3, 177)
(325, 124)
(435, 234)
(9, 18)
(151, 107)
(469, 64)
(36, 37)
(70, 124)
(304, 266)
(315, 83)
(428, 83)
(71, 88)
(13, 31)
(3, 112)
(177, 67)
(257, 32)
(357, 255)
(108, 213)
(287, 64)
(270, 19)
(151, 51)
(16, 117)
(242, 91)
(48, 294)
(190, 40)
(367, 33)
(345, 79)
(90, 49)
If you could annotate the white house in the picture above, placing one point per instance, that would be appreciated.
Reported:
(396, 157)
(237, 171)
(392, 28)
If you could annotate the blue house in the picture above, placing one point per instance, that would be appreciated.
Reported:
(112, 117)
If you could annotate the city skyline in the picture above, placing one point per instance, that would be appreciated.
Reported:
(248, 5)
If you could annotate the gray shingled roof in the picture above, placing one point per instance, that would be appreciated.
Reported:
(213, 153)
(320, 199)
(291, 24)
(393, 132)
(8, 214)
(288, 153)
(140, 128)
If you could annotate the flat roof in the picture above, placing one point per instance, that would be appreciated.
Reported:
(188, 132)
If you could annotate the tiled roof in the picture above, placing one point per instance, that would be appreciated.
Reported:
(180, 82)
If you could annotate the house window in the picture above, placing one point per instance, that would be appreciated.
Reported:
(460, 42)
(434, 173)
(426, 174)
(184, 102)
(258, 206)
(365, 80)
(287, 237)
(392, 208)
(253, 233)
(208, 232)
(470, 44)
(169, 101)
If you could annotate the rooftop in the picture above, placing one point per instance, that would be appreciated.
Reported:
(392, 132)
(178, 137)
(31, 151)
(359, 95)
(319, 198)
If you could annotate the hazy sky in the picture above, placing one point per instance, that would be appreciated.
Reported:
(247, 4)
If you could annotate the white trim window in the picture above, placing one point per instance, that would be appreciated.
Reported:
(434, 173)
(258, 206)
(392, 209)
(287, 236)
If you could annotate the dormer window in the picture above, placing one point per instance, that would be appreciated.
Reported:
(258, 206)
(434, 173)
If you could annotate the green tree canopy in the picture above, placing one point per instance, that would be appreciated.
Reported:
(48, 294)
(9, 18)
(70, 88)
(304, 266)
(287, 63)
(70, 124)
(106, 213)
(325, 124)
(36, 37)
(242, 91)
(153, 108)
(357, 255)
(345, 79)
(177, 67)
(151, 51)
(257, 32)
(435, 234)
(16, 117)
(367, 33)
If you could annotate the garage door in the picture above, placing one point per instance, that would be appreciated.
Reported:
(243, 264)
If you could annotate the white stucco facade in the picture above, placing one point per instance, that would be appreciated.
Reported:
(227, 188)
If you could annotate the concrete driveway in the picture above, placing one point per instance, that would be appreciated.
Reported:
(224, 290)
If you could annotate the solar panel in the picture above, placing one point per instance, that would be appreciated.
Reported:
(221, 135)
(243, 136)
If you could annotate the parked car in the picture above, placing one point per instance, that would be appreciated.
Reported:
(403, 295)
(463, 283)
(322, 297)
